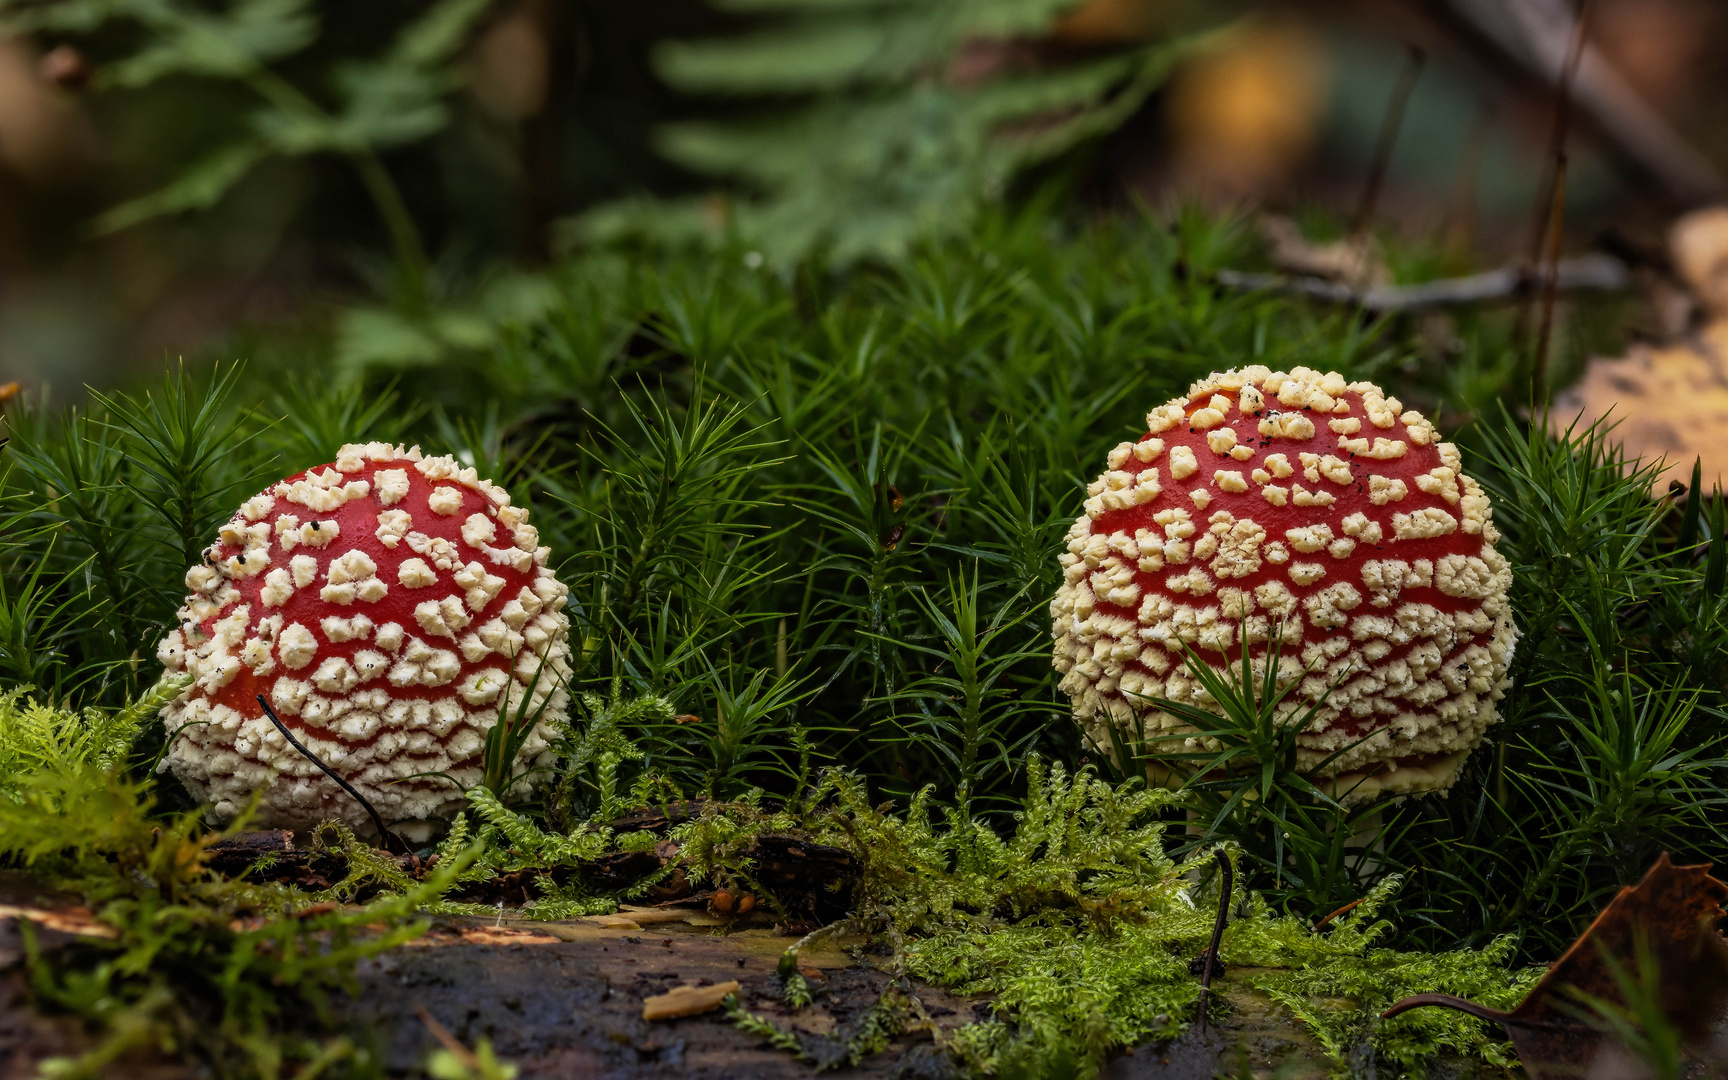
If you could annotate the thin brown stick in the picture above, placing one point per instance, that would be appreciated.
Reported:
(1210, 956)
(1550, 277)
(1556, 209)
(1557, 132)
(384, 835)
(1390, 125)
(1343, 910)
(1530, 37)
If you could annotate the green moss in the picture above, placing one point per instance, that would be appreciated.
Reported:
(223, 972)
(1338, 982)
(36, 738)
(1079, 928)
(1073, 919)
(1070, 989)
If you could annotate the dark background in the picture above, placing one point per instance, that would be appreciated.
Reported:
(559, 103)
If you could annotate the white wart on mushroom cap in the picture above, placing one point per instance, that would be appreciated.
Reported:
(1264, 498)
(386, 605)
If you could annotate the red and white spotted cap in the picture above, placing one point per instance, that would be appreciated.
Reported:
(1261, 498)
(385, 605)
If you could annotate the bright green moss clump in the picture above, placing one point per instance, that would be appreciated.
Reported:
(1079, 928)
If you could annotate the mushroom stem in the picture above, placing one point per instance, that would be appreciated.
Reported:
(384, 835)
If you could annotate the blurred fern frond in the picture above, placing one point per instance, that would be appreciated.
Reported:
(907, 118)
(366, 105)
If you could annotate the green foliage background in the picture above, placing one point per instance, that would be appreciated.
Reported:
(870, 133)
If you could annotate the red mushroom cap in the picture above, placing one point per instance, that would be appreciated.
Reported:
(387, 606)
(1264, 498)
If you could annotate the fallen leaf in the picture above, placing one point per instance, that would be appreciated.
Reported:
(1670, 401)
(614, 922)
(1674, 911)
(1699, 244)
(1665, 401)
(687, 1000)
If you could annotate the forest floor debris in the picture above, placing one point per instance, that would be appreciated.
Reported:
(565, 998)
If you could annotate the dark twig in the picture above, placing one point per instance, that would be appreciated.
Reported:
(1446, 1001)
(1530, 36)
(385, 835)
(1557, 132)
(1550, 276)
(1556, 217)
(1390, 125)
(1588, 272)
(1209, 958)
(1459, 234)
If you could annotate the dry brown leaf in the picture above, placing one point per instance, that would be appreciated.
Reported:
(1699, 244)
(687, 1000)
(1668, 402)
(1674, 911)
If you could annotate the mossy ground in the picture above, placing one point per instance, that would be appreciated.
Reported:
(1073, 931)
(819, 510)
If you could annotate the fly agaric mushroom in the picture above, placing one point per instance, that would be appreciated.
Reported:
(388, 606)
(1263, 500)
